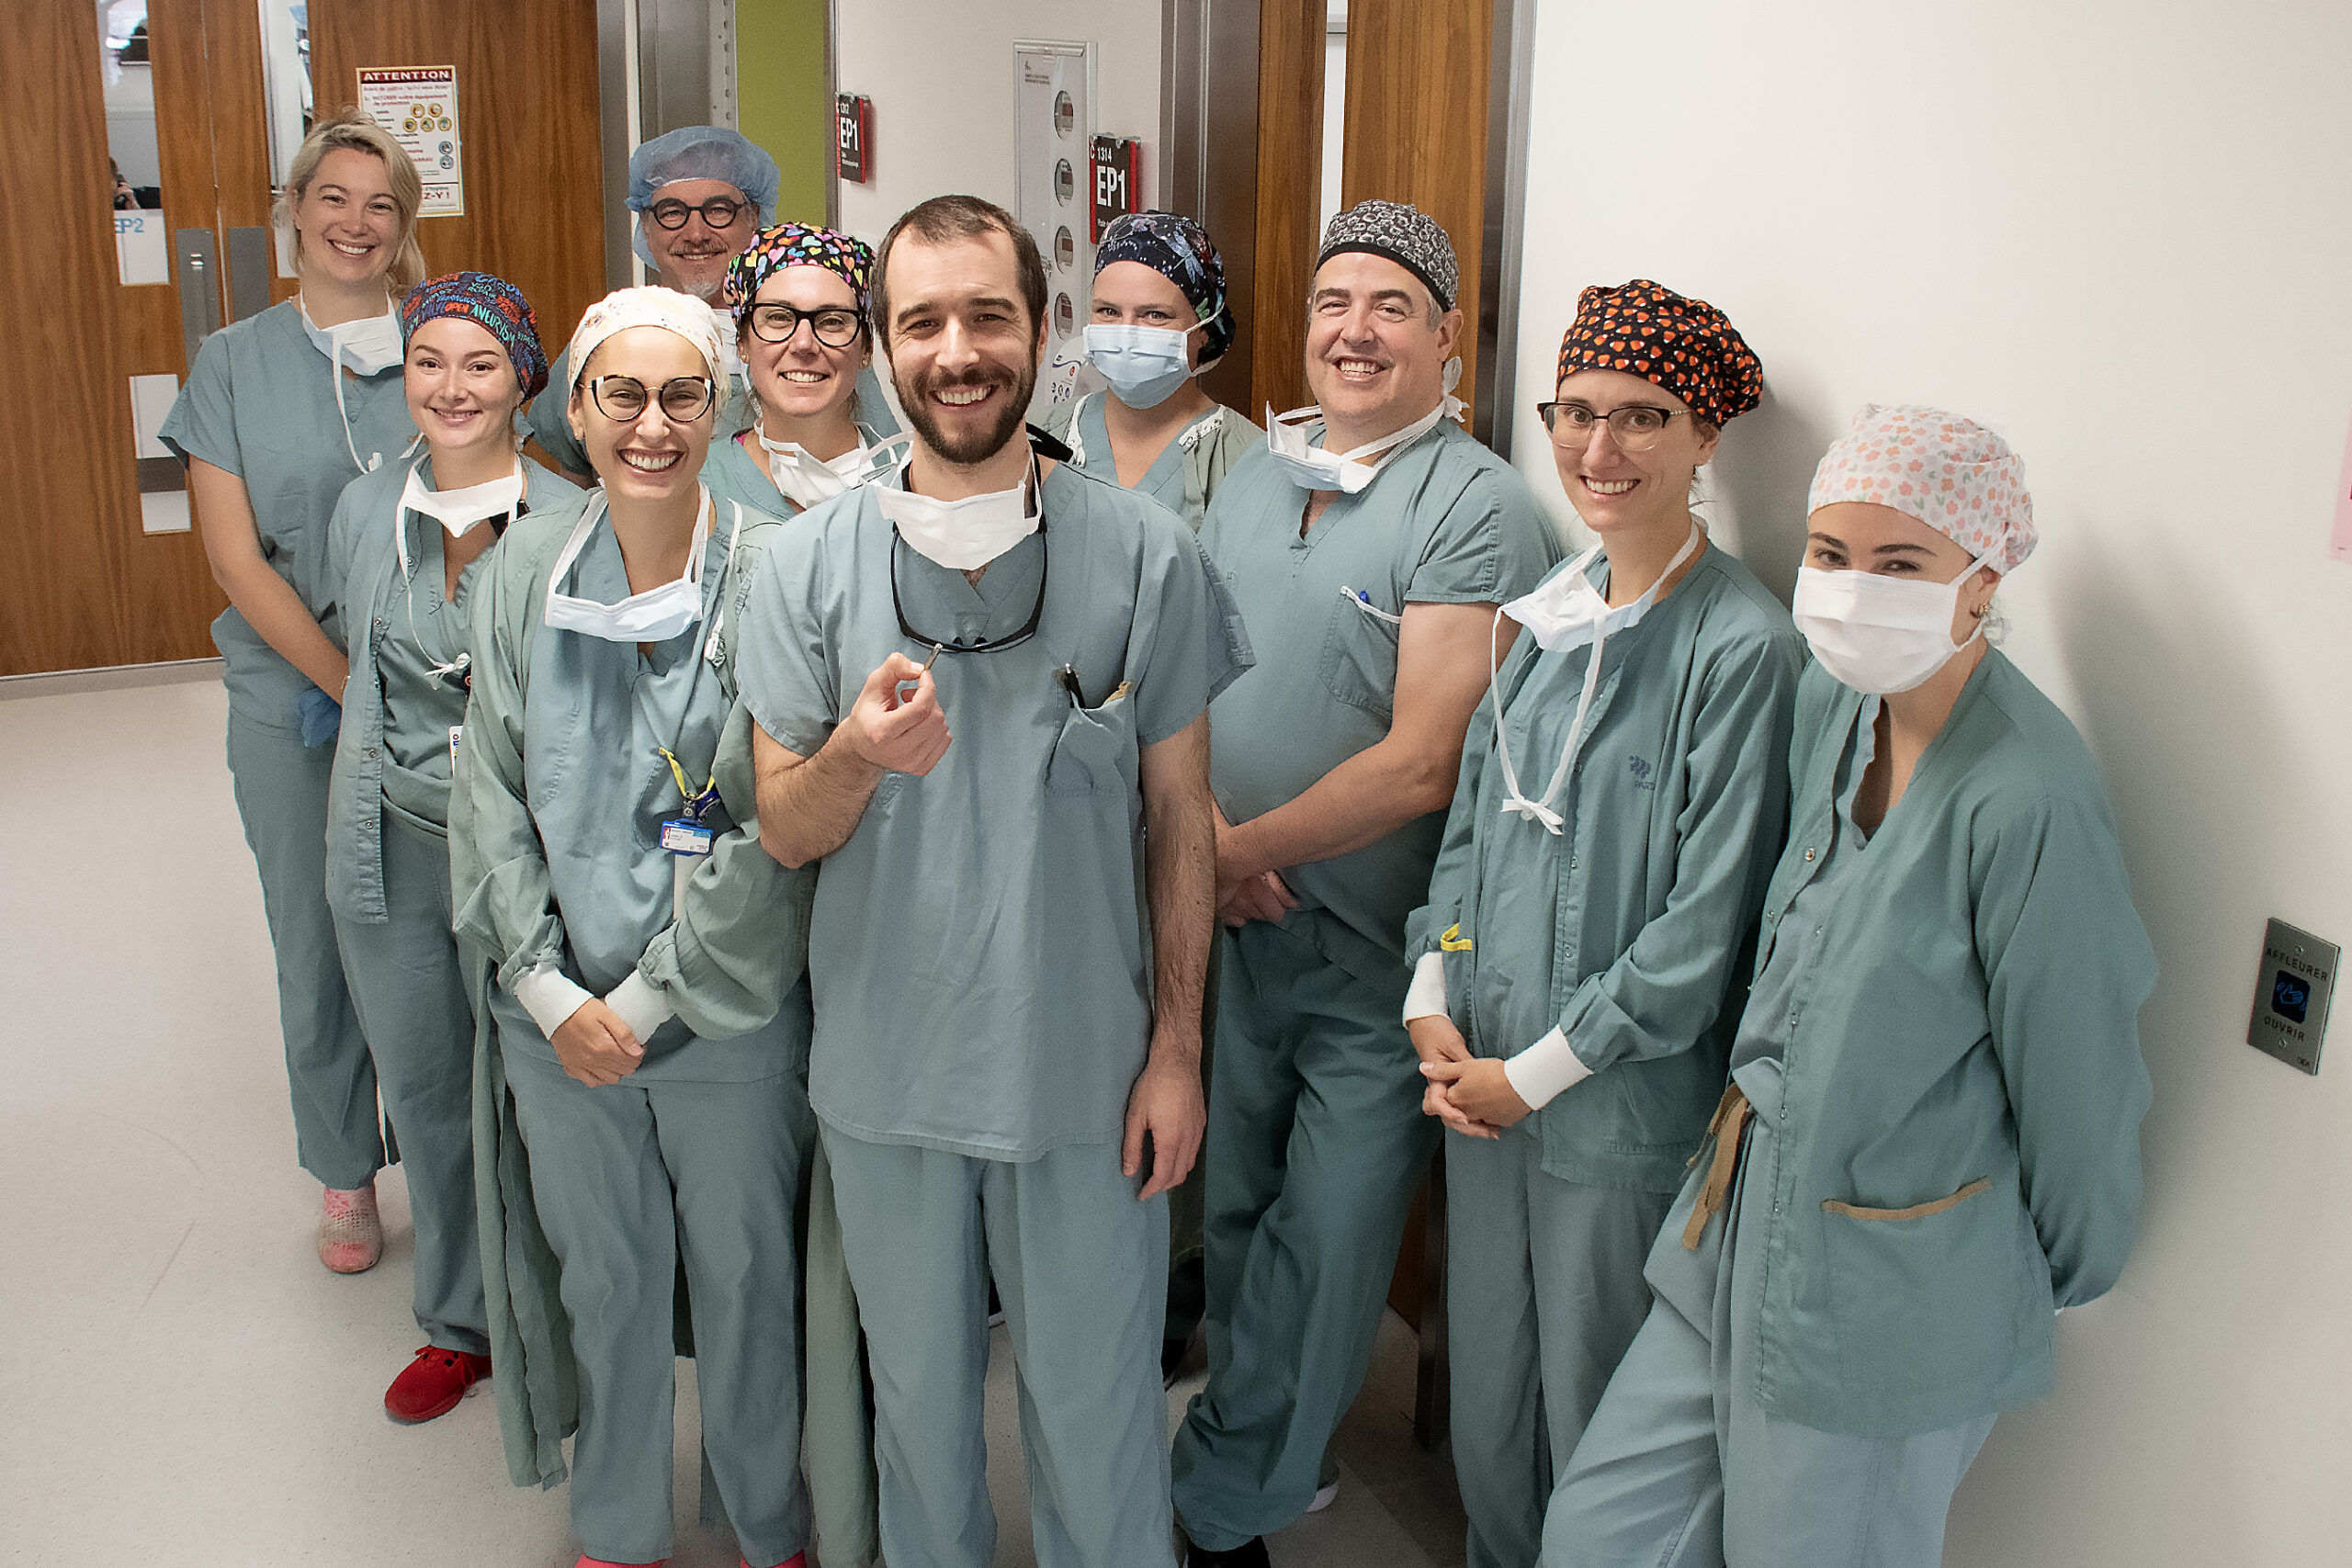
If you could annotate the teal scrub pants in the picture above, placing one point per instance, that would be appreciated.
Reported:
(631, 1179)
(281, 790)
(1082, 1269)
(1315, 1149)
(1682, 1467)
(410, 996)
(1543, 1292)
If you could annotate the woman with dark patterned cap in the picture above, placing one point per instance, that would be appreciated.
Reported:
(797, 296)
(1932, 1133)
(1159, 319)
(402, 559)
(1579, 963)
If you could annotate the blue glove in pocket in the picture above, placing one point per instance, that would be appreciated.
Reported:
(320, 715)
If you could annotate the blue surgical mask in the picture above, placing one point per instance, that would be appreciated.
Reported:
(1144, 365)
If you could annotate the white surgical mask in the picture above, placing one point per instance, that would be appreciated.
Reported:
(809, 480)
(459, 510)
(1564, 612)
(1144, 365)
(371, 346)
(655, 615)
(1312, 467)
(962, 535)
(1878, 634)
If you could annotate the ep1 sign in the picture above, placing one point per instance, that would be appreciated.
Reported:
(1116, 162)
(853, 137)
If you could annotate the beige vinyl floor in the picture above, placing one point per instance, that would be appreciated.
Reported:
(183, 1383)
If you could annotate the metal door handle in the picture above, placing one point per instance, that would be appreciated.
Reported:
(194, 255)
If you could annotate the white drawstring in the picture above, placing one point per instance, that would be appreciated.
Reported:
(1514, 803)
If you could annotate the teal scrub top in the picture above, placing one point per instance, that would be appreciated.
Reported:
(1446, 522)
(549, 419)
(260, 403)
(1631, 931)
(1186, 475)
(979, 947)
(1958, 1137)
(392, 751)
(733, 474)
(556, 817)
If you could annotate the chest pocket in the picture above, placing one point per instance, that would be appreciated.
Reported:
(1095, 750)
(1359, 664)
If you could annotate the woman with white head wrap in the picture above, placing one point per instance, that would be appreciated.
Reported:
(650, 1034)
(1932, 1131)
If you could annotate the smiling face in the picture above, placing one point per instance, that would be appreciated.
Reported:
(1129, 293)
(1861, 536)
(801, 378)
(693, 259)
(462, 391)
(1377, 343)
(346, 225)
(964, 353)
(651, 458)
(1616, 491)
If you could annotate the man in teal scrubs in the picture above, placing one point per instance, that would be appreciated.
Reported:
(1368, 549)
(980, 690)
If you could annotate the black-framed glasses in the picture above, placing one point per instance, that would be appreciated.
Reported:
(991, 644)
(836, 326)
(719, 212)
(683, 399)
(1636, 427)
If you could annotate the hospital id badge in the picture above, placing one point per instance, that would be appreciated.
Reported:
(456, 731)
(684, 836)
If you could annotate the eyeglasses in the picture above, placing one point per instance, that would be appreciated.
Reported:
(683, 399)
(833, 326)
(719, 212)
(995, 645)
(1636, 427)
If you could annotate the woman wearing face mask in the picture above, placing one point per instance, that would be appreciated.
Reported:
(1159, 319)
(642, 1089)
(1579, 963)
(280, 412)
(1932, 1133)
(404, 546)
(798, 297)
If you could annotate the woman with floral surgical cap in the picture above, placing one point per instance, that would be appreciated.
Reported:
(1931, 1136)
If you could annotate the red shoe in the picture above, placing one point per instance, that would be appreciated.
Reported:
(433, 1384)
(588, 1562)
(797, 1559)
(351, 1235)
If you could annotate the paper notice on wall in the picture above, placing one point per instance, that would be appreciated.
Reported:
(419, 106)
(139, 253)
(2343, 539)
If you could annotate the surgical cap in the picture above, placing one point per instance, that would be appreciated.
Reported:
(700, 152)
(796, 244)
(1949, 472)
(1685, 347)
(1180, 251)
(490, 303)
(648, 307)
(1403, 233)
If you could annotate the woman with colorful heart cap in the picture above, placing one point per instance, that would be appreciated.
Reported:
(1158, 318)
(405, 552)
(1931, 1139)
(1579, 965)
(640, 1091)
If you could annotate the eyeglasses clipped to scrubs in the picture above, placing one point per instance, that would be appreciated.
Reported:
(990, 645)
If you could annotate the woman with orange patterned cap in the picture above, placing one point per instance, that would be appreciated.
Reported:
(1579, 960)
(1932, 1134)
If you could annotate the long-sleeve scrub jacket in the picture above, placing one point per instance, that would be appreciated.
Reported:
(1630, 930)
(1959, 1129)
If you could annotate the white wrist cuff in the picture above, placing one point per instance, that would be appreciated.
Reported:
(550, 998)
(640, 1006)
(1540, 1073)
(1426, 996)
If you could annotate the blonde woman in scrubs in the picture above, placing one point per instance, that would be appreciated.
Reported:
(1932, 1136)
(281, 411)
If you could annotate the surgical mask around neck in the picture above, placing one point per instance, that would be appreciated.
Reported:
(655, 615)
(1878, 634)
(808, 480)
(370, 345)
(1564, 614)
(962, 535)
(1313, 468)
(459, 510)
(1144, 365)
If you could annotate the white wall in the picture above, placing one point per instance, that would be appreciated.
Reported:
(2119, 231)
(941, 77)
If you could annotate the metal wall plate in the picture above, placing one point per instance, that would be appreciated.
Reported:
(2291, 994)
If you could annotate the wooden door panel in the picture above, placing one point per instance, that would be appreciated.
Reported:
(1290, 198)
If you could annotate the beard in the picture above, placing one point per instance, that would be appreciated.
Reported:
(968, 451)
